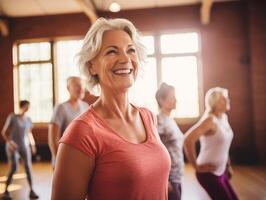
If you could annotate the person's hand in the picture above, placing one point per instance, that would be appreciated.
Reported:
(33, 149)
(229, 171)
(12, 145)
(170, 187)
(205, 168)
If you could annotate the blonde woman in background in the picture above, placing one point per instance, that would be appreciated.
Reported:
(215, 136)
(171, 137)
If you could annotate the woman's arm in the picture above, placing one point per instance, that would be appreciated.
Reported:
(6, 134)
(192, 136)
(32, 143)
(72, 174)
(53, 138)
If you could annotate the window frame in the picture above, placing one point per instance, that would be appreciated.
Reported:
(52, 61)
(159, 56)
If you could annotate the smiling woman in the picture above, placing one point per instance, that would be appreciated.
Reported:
(116, 65)
(113, 150)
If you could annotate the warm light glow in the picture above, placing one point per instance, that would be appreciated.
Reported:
(67, 65)
(11, 187)
(181, 72)
(143, 91)
(114, 7)
(148, 42)
(179, 43)
(35, 85)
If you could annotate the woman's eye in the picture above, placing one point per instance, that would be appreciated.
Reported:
(111, 52)
(132, 50)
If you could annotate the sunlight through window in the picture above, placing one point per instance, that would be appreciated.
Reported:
(179, 43)
(148, 42)
(181, 72)
(66, 61)
(35, 85)
(143, 91)
(34, 51)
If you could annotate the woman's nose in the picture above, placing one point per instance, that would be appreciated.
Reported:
(124, 58)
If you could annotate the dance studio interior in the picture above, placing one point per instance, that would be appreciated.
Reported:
(193, 45)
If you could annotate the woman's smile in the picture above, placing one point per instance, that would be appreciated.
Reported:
(123, 71)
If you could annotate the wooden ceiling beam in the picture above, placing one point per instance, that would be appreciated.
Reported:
(205, 11)
(89, 9)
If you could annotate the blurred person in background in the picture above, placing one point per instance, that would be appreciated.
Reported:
(19, 144)
(215, 135)
(65, 112)
(171, 137)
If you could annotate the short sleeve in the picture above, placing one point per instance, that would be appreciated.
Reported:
(30, 123)
(80, 136)
(58, 116)
(160, 125)
(152, 121)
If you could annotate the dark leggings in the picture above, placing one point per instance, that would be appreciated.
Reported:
(218, 187)
(176, 193)
(13, 158)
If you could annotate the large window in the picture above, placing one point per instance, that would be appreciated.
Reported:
(66, 62)
(35, 78)
(172, 58)
(41, 70)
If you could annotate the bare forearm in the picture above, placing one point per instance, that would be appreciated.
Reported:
(53, 139)
(5, 135)
(53, 147)
(31, 139)
(191, 152)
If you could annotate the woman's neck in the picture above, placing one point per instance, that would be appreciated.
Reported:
(21, 113)
(166, 112)
(111, 106)
(218, 114)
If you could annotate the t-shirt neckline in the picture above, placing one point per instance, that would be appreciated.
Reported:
(104, 123)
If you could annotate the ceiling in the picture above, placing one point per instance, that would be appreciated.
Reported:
(22, 8)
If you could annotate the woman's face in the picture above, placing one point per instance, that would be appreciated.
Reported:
(169, 102)
(116, 65)
(76, 89)
(223, 104)
(25, 108)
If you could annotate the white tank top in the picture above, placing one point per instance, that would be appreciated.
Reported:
(215, 148)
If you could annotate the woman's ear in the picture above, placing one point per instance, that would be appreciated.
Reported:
(91, 68)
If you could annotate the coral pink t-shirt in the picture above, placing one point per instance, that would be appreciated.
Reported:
(123, 170)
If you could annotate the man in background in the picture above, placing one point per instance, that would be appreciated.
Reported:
(65, 112)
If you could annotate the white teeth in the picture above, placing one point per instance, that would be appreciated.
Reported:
(122, 71)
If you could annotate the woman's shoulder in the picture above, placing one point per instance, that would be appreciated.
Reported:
(11, 115)
(146, 111)
(81, 127)
(87, 117)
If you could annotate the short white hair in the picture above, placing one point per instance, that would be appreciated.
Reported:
(213, 95)
(93, 41)
(71, 78)
(162, 92)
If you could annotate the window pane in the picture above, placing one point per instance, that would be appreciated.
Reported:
(179, 43)
(35, 85)
(66, 60)
(148, 42)
(34, 51)
(143, 91)
(181, 72)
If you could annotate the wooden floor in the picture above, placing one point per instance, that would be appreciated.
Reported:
(248, 181)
